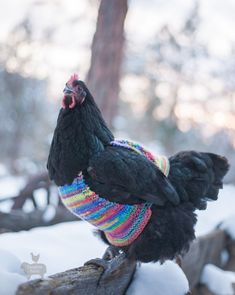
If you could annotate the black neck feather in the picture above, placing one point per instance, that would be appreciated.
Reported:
(80, 133)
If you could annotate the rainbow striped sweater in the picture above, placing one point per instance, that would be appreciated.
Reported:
(121, 223)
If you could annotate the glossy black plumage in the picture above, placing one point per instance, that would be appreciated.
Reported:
(81, 143)
(128, 177)
(80, 133)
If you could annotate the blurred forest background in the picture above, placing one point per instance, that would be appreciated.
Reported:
(162, 73)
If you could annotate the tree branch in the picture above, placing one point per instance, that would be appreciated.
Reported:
(19, 220)
(89, 279)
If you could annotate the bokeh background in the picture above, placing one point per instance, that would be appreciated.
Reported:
(176, 74)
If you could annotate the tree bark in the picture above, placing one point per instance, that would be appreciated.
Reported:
(106, 59)
(84, 280)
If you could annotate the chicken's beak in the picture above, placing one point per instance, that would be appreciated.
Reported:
(69, 99)
(68, 90)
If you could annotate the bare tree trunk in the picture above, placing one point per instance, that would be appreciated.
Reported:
(106, 59)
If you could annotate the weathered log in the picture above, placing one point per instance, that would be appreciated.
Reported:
(89, 279)
(204, 250)
(19, 220)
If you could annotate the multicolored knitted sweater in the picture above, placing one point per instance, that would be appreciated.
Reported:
(121, 223)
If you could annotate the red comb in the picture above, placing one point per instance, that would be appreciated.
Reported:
(74, 77)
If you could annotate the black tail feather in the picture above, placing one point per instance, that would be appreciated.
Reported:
(198, 177)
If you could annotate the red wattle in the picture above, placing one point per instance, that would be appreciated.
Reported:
(73, 104)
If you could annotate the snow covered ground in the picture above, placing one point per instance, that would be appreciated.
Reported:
(216, 212)
(69, 245)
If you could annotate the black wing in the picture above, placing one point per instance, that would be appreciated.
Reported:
(122, 175)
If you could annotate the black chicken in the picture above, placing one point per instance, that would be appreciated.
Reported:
(82, 144)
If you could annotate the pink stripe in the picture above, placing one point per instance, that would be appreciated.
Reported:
(125, 227)
(134, 235)
(111, 213)
(83, 202)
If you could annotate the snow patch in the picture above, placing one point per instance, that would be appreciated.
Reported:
(9, 262)
(11, 274)
(9, 282)
(40, 196)
(224, 257)
(61, 246)
(3, 170)
(217, 211)
(229, 226)
(10, 186)
(49, 213)
(217, 280)
(156, 279)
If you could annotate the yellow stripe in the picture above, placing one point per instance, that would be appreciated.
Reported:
(163, 164)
